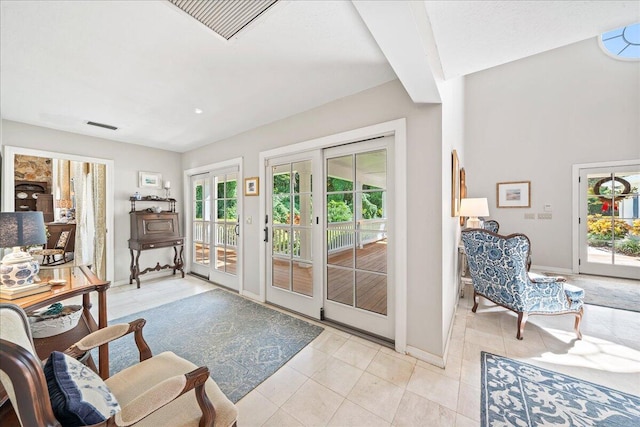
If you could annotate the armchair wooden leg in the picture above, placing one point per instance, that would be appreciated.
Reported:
(576, 325)
(522, 320)
(475, 301)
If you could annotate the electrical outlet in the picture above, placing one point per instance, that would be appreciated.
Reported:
(249, 220)
(544, 216)
(529, 216)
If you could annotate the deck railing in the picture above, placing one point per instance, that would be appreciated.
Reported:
(201, 233)
(340, 236)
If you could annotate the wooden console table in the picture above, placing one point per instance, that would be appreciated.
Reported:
(80, 281)
(154, 230)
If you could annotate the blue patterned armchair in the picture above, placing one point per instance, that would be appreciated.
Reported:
(498, 268)
(491, 225)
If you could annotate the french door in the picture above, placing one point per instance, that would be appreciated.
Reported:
(327, 225)
(216, 226)
(293, 232)
(358, 210)
(609, 221)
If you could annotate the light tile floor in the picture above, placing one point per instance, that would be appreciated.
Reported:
(343, 380)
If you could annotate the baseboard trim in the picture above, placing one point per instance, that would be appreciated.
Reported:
(425, 356)
(251, 295)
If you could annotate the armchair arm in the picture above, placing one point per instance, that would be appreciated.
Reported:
(540, 278)
(110, 333)
(166, 392)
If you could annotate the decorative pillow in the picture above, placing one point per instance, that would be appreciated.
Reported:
(78, 395)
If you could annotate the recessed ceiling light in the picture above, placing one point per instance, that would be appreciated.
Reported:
(197, 111)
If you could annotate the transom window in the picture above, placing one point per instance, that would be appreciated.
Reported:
(622, 43)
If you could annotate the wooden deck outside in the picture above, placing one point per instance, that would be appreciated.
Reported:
(202, 257)
(370, 277)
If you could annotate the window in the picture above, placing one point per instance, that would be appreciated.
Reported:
(622, 43)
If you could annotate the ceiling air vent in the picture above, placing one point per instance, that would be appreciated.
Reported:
(102, 125)
(225, 17)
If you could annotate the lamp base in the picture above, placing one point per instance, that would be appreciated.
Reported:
(474, 222)
(18, 269)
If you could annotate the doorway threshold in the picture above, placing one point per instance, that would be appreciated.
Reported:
(344, 328)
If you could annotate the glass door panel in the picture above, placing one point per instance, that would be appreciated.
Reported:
(610, 236)
(357, 289)
(200, 224)
(357, 235)
(293, 279)
(226, 226)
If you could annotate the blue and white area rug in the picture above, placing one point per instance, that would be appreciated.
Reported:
(519, 394)
(241, 342)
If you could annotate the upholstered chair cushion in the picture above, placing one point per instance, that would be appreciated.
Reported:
(78, 395)
(14, 327)
(129, 383)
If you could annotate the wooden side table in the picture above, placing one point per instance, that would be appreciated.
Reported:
(80, 281)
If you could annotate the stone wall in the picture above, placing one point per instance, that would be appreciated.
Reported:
(30, 168)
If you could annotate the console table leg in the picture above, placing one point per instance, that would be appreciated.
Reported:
(131, 272)
(137, 270)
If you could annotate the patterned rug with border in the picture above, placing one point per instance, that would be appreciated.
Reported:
(241, 342)
(520, 394)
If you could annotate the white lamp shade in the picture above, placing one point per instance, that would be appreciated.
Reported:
(474, 207)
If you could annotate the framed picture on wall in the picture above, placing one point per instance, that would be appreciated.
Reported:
(515, 194)
(455, 184)
(149, 180)
(463, 189)
(251, 186)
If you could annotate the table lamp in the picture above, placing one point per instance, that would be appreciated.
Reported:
(472, 208)
(17, 229)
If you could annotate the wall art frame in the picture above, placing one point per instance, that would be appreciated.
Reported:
(252, 186)
(149, 180)
(455, 184)
(513, 194)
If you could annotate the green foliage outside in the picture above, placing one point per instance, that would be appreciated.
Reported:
(229, 192)
(602, 231)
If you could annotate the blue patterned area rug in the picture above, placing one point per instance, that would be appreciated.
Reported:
(519, 394)
(241, 342)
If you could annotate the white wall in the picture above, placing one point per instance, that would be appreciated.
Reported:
(128, 160)
(532, 119)
(452, 93)
(380, 104)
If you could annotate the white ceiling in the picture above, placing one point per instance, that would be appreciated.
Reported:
(144, 66)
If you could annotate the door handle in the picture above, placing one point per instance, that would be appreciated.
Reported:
(266, 234)
(237, 229)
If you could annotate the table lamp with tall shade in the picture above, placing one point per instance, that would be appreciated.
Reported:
(18, 269)
(473, 208)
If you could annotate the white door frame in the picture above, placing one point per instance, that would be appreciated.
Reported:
(187, 174)
(575, 267)
(8, 183)
(398, 128)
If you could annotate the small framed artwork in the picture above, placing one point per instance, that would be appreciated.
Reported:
(515, 194)
(251, 186)
(455, 184)
(149, 180)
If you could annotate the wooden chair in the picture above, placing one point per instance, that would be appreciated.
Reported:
(163, 390)
(61, 247)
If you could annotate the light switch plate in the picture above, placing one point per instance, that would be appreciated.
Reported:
(529, 216)
(544, 216)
